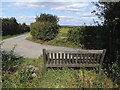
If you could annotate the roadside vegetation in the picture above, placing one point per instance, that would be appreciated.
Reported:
(11, 28)
(59, 40)
(10, 36)
(19, 72)
(45, 28)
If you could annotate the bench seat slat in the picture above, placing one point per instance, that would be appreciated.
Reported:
(72, 65)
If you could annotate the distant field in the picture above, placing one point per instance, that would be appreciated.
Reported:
(60, 40)
(64, 30)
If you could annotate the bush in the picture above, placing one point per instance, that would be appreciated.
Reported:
(76, 35)
(91, 37)
(43, 30)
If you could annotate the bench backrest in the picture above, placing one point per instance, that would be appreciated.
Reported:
(73, 57)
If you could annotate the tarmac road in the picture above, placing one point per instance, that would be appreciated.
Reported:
(28, 48)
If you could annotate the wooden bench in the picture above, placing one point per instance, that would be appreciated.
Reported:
(81, 58)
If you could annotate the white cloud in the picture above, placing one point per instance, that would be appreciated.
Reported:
(49, 0)
(31, 5)
(71, 7)
(26, 19)
(64, 7)
(22, 19)
(86, 14)
(80, 5)
(70, 20)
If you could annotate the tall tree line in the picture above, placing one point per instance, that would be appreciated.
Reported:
(11, 27)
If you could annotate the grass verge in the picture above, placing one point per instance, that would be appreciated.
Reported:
(53, 78)
(10, 36)
(19, 72)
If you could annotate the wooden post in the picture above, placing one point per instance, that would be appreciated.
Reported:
(103, 54)
(44, 58)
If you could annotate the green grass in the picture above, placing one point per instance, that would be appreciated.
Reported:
(10, 36)
(55, 78)
(64, 30)
(17, 73)
(60, 40)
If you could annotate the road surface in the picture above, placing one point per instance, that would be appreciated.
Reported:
(28, 48)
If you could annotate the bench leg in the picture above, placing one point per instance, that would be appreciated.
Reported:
(100, 70)
(45, 68)
(100, 76)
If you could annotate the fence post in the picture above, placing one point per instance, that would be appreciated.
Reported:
(44, 59)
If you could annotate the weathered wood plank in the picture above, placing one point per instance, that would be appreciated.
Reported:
(44, 58)
(79, 51)
(65, 58)
(87, 56)
(69, 58)
(98, 58)
(52, 58)
(95, 55)
(58, 58)
(55, 58)
(83, 58)
(103, 55)
(72, 58)
(77, 59)
(62, 58)
(80, 58)
(48, 60)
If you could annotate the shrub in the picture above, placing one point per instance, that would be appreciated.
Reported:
(43, 30)
(92, 37)
(76, 35)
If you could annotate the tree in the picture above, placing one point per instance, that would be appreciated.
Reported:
(45, 27)
(11, 27)
(110, 11)
(47, 18)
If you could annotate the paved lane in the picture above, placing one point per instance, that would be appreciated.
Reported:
(27, 48)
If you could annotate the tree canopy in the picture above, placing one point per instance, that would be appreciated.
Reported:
(110, 12)
(11, 27)
(45, 27)
(47, 18)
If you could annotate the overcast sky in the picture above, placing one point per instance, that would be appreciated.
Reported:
(69, 13)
